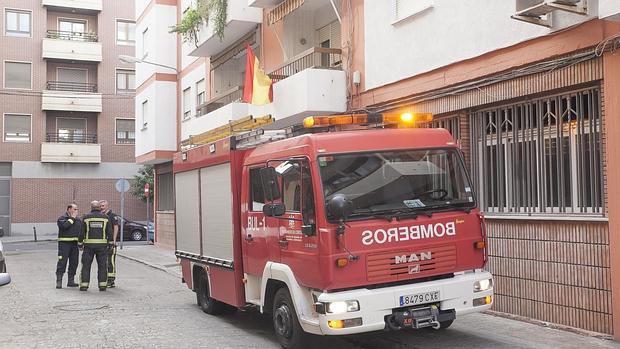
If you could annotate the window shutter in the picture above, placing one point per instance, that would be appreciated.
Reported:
(125, 125)
(17, 75)
(73, 75)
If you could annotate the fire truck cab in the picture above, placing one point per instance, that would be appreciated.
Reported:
(333, 233)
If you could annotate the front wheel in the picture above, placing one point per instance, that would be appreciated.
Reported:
(285, 322)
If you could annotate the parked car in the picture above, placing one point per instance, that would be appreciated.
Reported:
(132, 231)
(5, 278)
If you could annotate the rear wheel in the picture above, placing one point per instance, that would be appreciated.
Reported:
(285, 322)
(206, 303)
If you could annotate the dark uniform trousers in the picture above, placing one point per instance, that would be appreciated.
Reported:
(92, 251)
(112, 264)
(67, 252)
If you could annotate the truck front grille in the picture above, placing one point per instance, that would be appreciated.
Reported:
(412, 263)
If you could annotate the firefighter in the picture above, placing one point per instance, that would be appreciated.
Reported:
(95, 239)
(69, 227)
(114, 221)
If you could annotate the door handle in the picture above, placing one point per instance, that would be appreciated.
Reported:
(249, 238)
(283, 243)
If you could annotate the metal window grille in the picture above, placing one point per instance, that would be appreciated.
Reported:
(450, 123)
(540, 156)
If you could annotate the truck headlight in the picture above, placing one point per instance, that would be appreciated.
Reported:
(483, 285)
(342, 307)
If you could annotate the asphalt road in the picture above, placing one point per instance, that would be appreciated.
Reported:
(152, 309)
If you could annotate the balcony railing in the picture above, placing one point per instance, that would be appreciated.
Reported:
(75, 36)
(315, 57)
(233, 95)
(71, 86)
(68, 138)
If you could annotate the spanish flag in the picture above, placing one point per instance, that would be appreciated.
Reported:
(257, 89)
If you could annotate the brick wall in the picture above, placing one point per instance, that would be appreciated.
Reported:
(43, 200)
(164, 230)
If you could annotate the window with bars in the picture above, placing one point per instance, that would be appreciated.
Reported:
(450, 123)
(540, 156)
(17, 23)
(17, 128)
(125, 131)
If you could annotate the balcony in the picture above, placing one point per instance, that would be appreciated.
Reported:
(72, 46)
(263, 3)
(77, 6)
(311, 83)
(71, 96)
(240, 20)
(76, 148)
(233, 95)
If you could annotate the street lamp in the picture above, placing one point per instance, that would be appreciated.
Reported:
(131, 59)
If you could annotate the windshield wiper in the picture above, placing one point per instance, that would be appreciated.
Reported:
(389, 214)
(444, 206)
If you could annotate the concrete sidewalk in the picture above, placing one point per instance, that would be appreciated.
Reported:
(152, 256)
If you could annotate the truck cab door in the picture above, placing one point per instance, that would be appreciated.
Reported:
(260, 233)
(298, 239)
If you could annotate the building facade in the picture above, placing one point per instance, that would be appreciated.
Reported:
(67, 109)
(526, 87)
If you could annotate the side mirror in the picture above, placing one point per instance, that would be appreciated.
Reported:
(308, 229)
(5, 279)
(273, 210)
(269, 181)
(339, 207)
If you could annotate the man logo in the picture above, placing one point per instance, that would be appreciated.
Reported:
(414, 269)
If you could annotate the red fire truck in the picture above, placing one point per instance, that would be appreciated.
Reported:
(335, 232)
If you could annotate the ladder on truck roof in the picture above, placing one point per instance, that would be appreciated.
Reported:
(234, 127)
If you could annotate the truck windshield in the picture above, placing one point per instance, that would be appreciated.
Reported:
(390, 182)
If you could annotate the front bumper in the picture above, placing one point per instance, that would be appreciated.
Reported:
(456, 293)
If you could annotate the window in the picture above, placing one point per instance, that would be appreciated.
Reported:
(72, 130)
(18, 75)
(404, 9)
(256, 190)
(17, 128)
(164, 190)
(72, 26)
(17, 23)
(125, 81)
(125, 32)
(145, 41)
(201, 96)
(125, 131)
(541, 156)
(187, 108)
(145, 113)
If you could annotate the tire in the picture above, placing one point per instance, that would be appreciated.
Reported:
(285, 323)
(136, 235)
(206, 303)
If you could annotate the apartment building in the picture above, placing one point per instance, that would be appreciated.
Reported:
(66, 105)
(527, 88)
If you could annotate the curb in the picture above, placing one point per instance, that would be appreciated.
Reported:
(28, 240)
(550, 325)
(141, 261)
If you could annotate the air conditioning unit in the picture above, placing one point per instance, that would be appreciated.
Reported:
(539, 11)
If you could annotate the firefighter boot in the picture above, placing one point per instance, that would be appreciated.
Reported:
(58, 281)
(71, 282)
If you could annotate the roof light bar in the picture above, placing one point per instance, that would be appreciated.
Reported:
(403, 120)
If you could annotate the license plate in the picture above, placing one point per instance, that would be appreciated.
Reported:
(419, 298)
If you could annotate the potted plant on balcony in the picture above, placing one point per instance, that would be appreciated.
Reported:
(205, 11)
